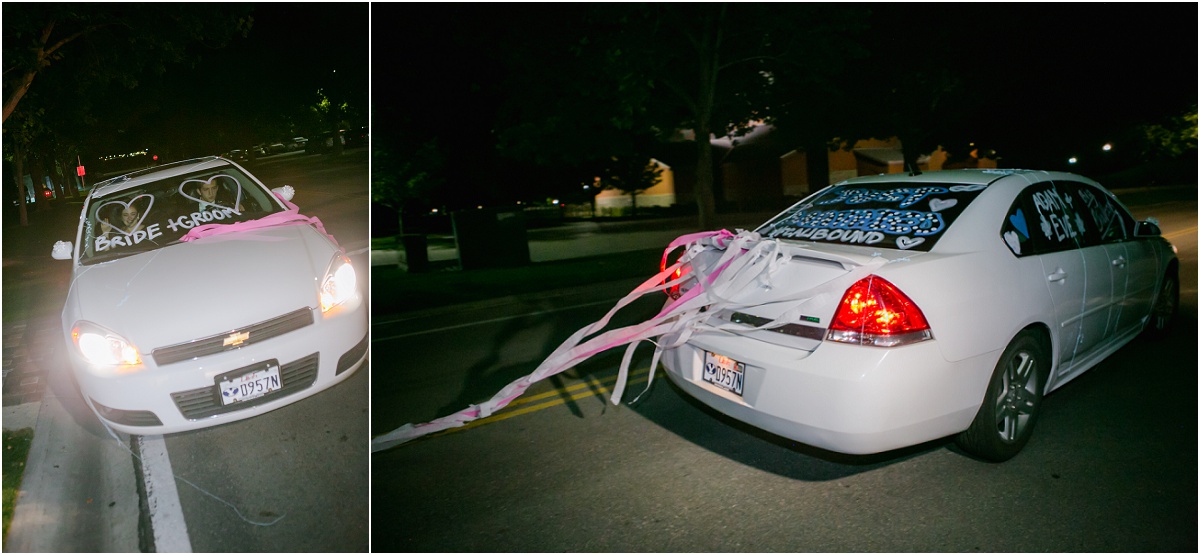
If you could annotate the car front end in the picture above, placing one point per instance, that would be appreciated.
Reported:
(170, 329)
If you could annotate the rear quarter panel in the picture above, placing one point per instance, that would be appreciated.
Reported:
(974, 292)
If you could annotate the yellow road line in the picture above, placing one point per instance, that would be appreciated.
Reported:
(506, 414)
(592, 381)
(1181, 233)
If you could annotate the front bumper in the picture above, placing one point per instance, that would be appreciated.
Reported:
(183, 395)
(844, 398)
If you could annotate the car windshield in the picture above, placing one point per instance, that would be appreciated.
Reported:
(898, 215)
(158, 213)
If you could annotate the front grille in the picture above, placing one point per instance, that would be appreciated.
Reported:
(249, 335)
(798, 330)
(197, 404)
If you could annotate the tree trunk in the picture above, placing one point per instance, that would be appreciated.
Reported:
(19, 169)
(70, 178)
(705, 199)
(817, 155)
(709, 49)
(19, 90)
(39, 184)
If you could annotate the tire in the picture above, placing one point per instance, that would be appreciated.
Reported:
(1166, 306)
(1010, 408)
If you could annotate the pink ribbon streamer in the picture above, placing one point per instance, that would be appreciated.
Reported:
(575, 350)
(291, 216)
(716, 284)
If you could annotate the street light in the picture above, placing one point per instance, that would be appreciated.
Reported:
(1107, 147)
(1072, 160)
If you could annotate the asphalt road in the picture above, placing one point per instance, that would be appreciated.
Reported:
(303, 468)
(1111, 466)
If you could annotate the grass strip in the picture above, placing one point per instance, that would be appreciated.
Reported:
(16, 451)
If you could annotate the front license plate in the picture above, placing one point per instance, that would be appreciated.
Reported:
(250, 385)
(724, 372)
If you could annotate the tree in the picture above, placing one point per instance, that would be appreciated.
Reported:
(404, 176)
(1169, 139)
(651, 69)
(62, 59)
(631, 175)
(107, 42)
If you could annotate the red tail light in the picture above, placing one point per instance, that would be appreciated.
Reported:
(675, 291)
(874, 312)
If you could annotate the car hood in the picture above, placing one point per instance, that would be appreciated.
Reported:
(191, 290)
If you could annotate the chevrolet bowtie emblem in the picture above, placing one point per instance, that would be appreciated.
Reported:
(236, 338)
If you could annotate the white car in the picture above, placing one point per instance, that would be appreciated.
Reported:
(200, 297)
(966, 296)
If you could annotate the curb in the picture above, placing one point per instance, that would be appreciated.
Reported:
(21, 416)
(78, 493)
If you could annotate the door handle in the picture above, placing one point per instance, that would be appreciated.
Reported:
(1058, 275)
(1119, 262)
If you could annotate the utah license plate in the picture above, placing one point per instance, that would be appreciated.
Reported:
(724, 372)
(250, 385)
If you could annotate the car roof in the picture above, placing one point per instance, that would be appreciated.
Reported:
(968, 177)
(134, 179)
(963, 176)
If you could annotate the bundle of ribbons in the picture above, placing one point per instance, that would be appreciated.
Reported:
(291, 216)
(713, 284)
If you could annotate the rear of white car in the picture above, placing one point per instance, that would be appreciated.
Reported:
(901, 355)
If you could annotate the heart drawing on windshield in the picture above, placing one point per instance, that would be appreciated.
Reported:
(208, 192)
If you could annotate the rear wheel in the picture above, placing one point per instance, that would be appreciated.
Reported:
(1010, 408)
(1166, 305)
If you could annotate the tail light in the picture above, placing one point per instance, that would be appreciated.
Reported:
(874, 312)
(675, 291)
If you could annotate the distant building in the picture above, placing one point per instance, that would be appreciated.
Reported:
(612, 202)
(756, 171)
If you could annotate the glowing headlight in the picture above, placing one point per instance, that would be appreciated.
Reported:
(101, 346)
(340, 284)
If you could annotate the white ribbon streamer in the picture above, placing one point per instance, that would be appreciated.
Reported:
(715, 287)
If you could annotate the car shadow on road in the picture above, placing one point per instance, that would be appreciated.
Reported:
(757, 448)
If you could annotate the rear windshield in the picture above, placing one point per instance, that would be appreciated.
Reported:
(904, 216)
(158, 213)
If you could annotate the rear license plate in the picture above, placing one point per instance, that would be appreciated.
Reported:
(724, 372)
(251, 385)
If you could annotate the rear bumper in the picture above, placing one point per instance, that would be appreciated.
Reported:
(844, 398)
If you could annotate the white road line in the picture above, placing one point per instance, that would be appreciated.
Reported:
(481, 322)
(162, 497)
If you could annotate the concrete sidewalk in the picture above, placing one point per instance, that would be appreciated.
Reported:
(79, 491)
(589, 238)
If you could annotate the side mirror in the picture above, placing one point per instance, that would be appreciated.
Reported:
(286, 192)
(62, 250)
(1148, 228)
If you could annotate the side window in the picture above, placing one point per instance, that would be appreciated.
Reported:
(1043, 220)
(1084, 208)
(1106, 218)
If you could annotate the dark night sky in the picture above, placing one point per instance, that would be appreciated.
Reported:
(1050, 77)
(240, 94)
(1075, 72)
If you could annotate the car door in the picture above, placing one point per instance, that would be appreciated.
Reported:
(1133, 261)
(1037, 228)
(1104, 265)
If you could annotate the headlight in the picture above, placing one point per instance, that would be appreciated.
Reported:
(103, 347)
(340, 284)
